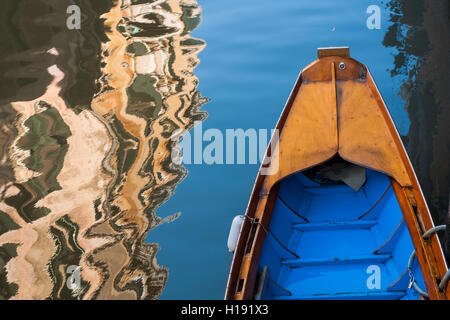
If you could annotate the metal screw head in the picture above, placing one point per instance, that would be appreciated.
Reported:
(342, 66)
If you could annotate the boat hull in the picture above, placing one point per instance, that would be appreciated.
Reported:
(336, 112)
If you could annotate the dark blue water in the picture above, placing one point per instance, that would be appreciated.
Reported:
(255, 50)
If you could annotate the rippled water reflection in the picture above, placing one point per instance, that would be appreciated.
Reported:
(86, 121)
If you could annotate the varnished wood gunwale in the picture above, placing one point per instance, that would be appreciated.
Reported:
(238, 255)
(409, 194)
(427, 261)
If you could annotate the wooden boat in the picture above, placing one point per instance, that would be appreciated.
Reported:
(343, 212)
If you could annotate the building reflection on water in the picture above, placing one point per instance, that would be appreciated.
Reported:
(86, 138)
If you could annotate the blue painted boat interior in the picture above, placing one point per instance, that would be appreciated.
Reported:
(342, 250)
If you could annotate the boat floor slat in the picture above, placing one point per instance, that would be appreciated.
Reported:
(301, 262)
(335, 225)
(380, 295)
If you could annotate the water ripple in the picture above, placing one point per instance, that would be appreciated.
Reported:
(86, 144)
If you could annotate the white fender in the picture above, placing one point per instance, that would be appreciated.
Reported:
(234, 232)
